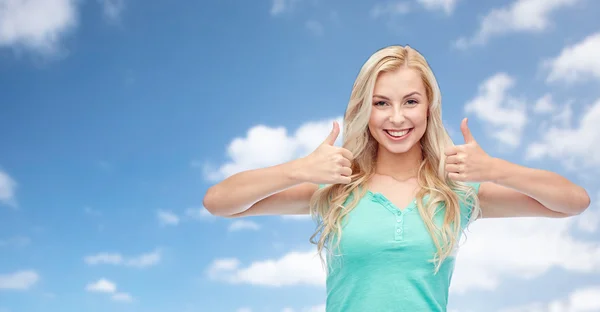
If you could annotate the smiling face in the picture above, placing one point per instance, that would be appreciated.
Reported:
(399, 110)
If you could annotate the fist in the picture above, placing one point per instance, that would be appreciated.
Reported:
(467, 162)
(329, 164)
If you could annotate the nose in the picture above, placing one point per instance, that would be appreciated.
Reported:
(397, 116)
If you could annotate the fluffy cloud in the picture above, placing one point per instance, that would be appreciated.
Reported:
(294, 268)
(520, 16)
(37, 25)
(7, 189)
(577, 62)
(576, 146)
(580, 300)
(166, 218)
(106, 286)
(279, 7)
(240, 225)
(445, 5)
(317, 308)
(266, 146)
(487, 257)
(112, 9)
(142, 261)
(504, 115)
(21, 280)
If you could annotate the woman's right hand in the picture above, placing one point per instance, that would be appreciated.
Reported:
(328, 164)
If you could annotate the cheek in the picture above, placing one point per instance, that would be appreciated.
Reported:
(419, 117)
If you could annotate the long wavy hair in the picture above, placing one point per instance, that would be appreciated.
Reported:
(329, 204)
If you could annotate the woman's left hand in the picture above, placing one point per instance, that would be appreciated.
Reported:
(468, 162)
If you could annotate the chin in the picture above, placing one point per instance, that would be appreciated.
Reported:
(397, 148)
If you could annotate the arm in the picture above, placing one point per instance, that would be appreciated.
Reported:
(518, 191)
(510, 190)
(253, 192)
(282, 189)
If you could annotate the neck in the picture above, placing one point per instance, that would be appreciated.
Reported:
(399, 166)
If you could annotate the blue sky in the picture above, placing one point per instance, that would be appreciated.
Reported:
(117, 115)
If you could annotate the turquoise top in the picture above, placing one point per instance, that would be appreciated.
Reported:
(383, 260)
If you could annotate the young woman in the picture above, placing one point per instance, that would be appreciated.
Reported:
(391, 204)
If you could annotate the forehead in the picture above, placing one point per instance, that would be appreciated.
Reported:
(399, 82)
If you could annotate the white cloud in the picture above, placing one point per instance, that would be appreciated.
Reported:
(445, 5)
(240, 225)
(122, 297)
(577, 62)
(589, 220)
(102, 285)
(301, 217)
(265, 146)
(317, 308)
(390, 8)
(167, 218)
(112, 9)
(527, 16)
(244, 310)
(294, 268)
(141, 261)
(575, 147)
(486, 258)
(20, 280)
(504, 115)
(106, 286)
(7, 187)
(199, 213)
(279, 7)
(37, 25)
(580, 300)
(544, 105)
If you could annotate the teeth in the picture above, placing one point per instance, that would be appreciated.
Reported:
(398, 133)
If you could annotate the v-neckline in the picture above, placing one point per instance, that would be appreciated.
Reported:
(390, 205)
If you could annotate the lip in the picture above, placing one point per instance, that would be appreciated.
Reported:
(410, 130)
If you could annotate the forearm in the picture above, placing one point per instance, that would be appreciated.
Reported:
(550, 189)
(240, 191)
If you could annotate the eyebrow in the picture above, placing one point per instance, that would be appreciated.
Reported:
(386, 98)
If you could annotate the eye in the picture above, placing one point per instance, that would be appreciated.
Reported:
(412, 102)
(380, 103)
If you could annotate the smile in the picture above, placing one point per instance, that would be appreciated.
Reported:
(398, 134)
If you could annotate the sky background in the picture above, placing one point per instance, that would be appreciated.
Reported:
(117, 115)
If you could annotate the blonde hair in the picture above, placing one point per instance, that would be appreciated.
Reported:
(327, 204)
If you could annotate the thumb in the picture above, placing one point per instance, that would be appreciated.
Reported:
(330, 140)
(464, 128)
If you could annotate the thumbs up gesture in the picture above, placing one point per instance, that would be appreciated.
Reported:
(468, 162)
(329, 164)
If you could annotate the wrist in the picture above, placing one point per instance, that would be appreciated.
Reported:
(500, 170)
(293, 171)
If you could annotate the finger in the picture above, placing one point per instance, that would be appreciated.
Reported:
(345, 162)
(452, 168)
(455, 176)
(330, 140)
(464, 128)
(344, 180)
(346, 153)
(345, 171)
(454, 159)
(451, 150)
